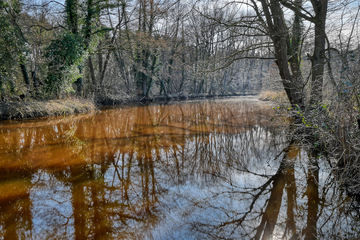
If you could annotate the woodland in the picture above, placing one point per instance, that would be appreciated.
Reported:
(122, 50)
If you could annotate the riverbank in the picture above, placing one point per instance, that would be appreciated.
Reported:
(35, 109)
(273, 96)
(107, 101)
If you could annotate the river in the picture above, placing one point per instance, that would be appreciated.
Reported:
(210, 169)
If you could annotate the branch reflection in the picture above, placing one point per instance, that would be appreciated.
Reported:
(197, 170)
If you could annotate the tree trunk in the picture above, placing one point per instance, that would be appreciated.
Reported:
(93, 77)
(279, 34)
(26, 77)
(35, 82)
(80, 83)
(318, 57)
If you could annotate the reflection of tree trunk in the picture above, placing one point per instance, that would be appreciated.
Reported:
(15, 213)
(271, 213)
(128, 177)
(98, 217)
(285, 175)
(312, 193)
(291, 191)
(291, 199)
(153, 180)
(79, 208)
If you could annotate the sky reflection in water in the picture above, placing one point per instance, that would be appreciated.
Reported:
(197, 170)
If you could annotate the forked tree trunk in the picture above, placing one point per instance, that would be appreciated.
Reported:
(279, 33)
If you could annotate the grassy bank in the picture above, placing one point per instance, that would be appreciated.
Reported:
(34, 109)
(273, 96)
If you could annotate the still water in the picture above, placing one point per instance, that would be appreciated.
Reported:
(215, 169)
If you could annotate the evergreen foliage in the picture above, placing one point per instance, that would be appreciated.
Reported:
(11, 46)
(64, 54)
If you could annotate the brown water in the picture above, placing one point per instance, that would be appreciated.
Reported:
(198, 170)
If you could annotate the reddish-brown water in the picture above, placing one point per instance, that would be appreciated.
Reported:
(198, 170)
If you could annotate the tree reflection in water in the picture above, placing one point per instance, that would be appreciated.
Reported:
(299, 201)
(196, 170)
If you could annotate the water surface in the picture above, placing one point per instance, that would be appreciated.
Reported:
(215, 169)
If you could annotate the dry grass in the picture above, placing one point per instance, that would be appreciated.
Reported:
(34, 109)
(273, 96)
